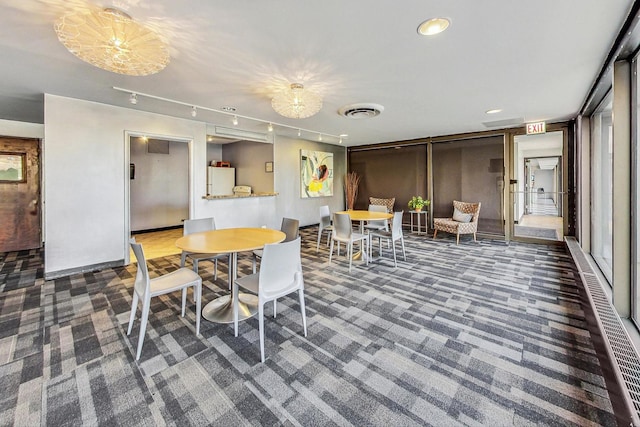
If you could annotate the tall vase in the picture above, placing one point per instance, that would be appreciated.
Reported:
(351, 182)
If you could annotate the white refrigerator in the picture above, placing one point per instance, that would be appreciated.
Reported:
(220, 181)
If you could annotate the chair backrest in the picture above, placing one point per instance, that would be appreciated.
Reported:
(396, 225)
(384, 202)
(378, 208)
(142, 282)
(468, 208)
(280, 269)
(325, 216)
(291, 228)
(198, 225)
(342, 226)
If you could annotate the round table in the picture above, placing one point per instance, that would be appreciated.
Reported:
(230, 240)
(362, 216)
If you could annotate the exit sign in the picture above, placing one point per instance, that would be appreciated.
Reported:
(533, 128)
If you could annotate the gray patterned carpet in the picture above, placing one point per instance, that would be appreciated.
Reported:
(478, 334)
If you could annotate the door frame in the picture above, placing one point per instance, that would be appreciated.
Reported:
(127, 182)
(512, 188)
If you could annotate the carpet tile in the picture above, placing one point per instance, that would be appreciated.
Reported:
(483, 333)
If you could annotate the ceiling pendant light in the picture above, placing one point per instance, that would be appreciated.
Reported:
(110, 39)
(296, 102)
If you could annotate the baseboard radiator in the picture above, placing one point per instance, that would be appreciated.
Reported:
(621, 363)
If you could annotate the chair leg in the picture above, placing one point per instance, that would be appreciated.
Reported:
(403, 252)
(474, 237)
(234, 299)
(457, 238)
(184, 299)
(319, 238)
(275, 305)
(435, 233)
(195, 265)
(253, 264)
(198, 291)
(143, 324)
(395, 261)
(215, 269)
(134, 307)
(261, 327)
(349, 254)
(183, 258)
(229, 270)
(303, 311)
(330, 251)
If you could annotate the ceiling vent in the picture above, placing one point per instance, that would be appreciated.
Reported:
(361, 111)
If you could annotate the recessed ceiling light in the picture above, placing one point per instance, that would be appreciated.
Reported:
(433, 26)
(228, 109)
(494, 111)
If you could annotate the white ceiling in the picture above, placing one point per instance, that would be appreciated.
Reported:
(535, 60)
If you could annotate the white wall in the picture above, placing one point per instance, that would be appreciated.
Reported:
(86, 172)
(159, 193)
(21, 129)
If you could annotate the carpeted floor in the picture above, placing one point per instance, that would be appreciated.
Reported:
(540, 233)
(477, 334)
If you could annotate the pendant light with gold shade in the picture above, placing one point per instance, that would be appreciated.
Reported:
(110, 39)
(296, 102)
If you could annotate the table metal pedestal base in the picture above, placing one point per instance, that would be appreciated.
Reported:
(220, 310)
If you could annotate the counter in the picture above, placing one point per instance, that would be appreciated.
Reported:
(238, 196)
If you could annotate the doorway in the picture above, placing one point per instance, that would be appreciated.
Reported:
(538, 197)
(20, 194)
(158, 190)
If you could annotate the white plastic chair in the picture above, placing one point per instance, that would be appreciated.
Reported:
(343, 232)
(381, 224)
(393, 235)
(280, 274)
(325, 225)
(290, 227)
(145, 288)
(197, 226)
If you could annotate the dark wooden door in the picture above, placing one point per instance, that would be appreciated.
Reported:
(19, 194)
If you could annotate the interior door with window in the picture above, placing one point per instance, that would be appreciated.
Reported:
(19, 194)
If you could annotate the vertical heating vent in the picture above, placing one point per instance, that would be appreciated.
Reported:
(618, 342)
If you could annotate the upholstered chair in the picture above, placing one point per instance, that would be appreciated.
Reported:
(463, 221)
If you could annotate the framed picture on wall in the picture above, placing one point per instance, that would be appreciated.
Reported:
(316, 174)
(13, 167)
(268, 167)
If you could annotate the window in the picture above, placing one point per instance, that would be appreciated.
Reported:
(602, 187)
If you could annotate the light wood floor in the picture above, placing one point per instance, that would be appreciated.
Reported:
(157, 244)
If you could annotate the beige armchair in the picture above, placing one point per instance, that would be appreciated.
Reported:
(464, 220)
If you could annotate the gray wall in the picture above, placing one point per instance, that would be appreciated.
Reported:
(249, 158)
(160, 191)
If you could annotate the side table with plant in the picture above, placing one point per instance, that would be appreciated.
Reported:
(417, 203)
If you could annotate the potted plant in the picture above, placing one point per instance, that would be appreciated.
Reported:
(417, 203)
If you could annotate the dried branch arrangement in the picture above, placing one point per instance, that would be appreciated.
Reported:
(351, 181)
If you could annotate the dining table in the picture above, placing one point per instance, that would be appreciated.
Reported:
(362, 216)
(230, 240)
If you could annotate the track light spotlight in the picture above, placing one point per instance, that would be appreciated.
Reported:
(319, 137)
(235, 120)
(133, 98)
(194, 111)
(270, 127)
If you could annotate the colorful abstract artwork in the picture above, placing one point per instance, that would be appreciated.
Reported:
(316, 174)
